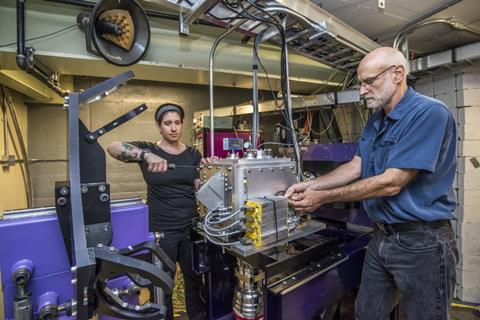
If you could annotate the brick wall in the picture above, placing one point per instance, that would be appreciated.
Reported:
(460, 90)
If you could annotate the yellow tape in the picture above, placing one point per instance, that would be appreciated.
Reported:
(465, 306)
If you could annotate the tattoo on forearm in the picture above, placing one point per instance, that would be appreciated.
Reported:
(128, 153)
(128, 146)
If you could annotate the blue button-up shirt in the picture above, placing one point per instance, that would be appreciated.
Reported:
(419, 133)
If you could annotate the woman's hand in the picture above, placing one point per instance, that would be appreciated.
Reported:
(155, 163)
(208, 160)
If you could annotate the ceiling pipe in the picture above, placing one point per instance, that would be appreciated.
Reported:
(428, 15)
(405, 49)
(451, 22)
(25, 58)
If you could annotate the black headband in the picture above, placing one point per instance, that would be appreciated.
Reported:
(167, 108)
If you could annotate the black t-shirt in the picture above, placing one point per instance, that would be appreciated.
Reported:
(171, 195)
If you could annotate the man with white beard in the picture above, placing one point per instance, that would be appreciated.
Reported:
(403, 172)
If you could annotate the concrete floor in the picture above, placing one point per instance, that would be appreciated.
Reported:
(347, 311)
(465, 314)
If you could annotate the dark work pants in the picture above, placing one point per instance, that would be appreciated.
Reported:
(415, 268)
(177, 245)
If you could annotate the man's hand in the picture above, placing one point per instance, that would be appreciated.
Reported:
(308, 200)
(155, 163)
(297, 188)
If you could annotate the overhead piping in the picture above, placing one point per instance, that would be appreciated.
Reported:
(428, 15)
(451, 22)
(25, 58)
(210, 79)
(417, 21)
(255, 111)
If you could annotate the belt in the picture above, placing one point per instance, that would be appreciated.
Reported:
(410, 226)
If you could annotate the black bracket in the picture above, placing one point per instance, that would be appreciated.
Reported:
(83, 209)
(111, 264)
(93, 136)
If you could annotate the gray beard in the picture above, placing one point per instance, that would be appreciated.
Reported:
(382, 103)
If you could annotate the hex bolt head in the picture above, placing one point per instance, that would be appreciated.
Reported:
(84, 189)
(104, 197)
(62, 201)
(102, 188)
(74, 282)
(63, 191)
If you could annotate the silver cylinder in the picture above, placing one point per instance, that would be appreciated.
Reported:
(248, 295)
(22, 308)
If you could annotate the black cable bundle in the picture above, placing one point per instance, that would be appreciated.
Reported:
(232, 5)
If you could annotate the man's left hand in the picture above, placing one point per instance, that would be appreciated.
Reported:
(309, 200)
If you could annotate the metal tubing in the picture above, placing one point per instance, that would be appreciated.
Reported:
(21, 58)
(452, 23)
(25, 55)
(22, 271)
(428, 15)
(5, 125)
(210, 79)
(296, 147)
(23, 148)
(255, 111)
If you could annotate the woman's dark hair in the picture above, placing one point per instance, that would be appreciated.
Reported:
(168, 107)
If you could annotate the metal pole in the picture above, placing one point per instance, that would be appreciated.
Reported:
(296, 147)
(5, 125)
(255, 111)
(210, 79)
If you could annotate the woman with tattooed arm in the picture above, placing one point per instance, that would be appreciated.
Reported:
(170, 195)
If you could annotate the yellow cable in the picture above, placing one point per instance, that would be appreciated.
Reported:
(465, 306)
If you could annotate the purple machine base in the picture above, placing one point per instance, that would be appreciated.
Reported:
(322, 291)
(39, 239)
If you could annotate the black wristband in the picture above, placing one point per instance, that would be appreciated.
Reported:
(142, 154)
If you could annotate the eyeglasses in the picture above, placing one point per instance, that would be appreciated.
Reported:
(370, 81)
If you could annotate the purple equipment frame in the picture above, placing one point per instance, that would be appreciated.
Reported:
(39, 239)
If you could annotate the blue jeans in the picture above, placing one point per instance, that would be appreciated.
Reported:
(415, 268)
